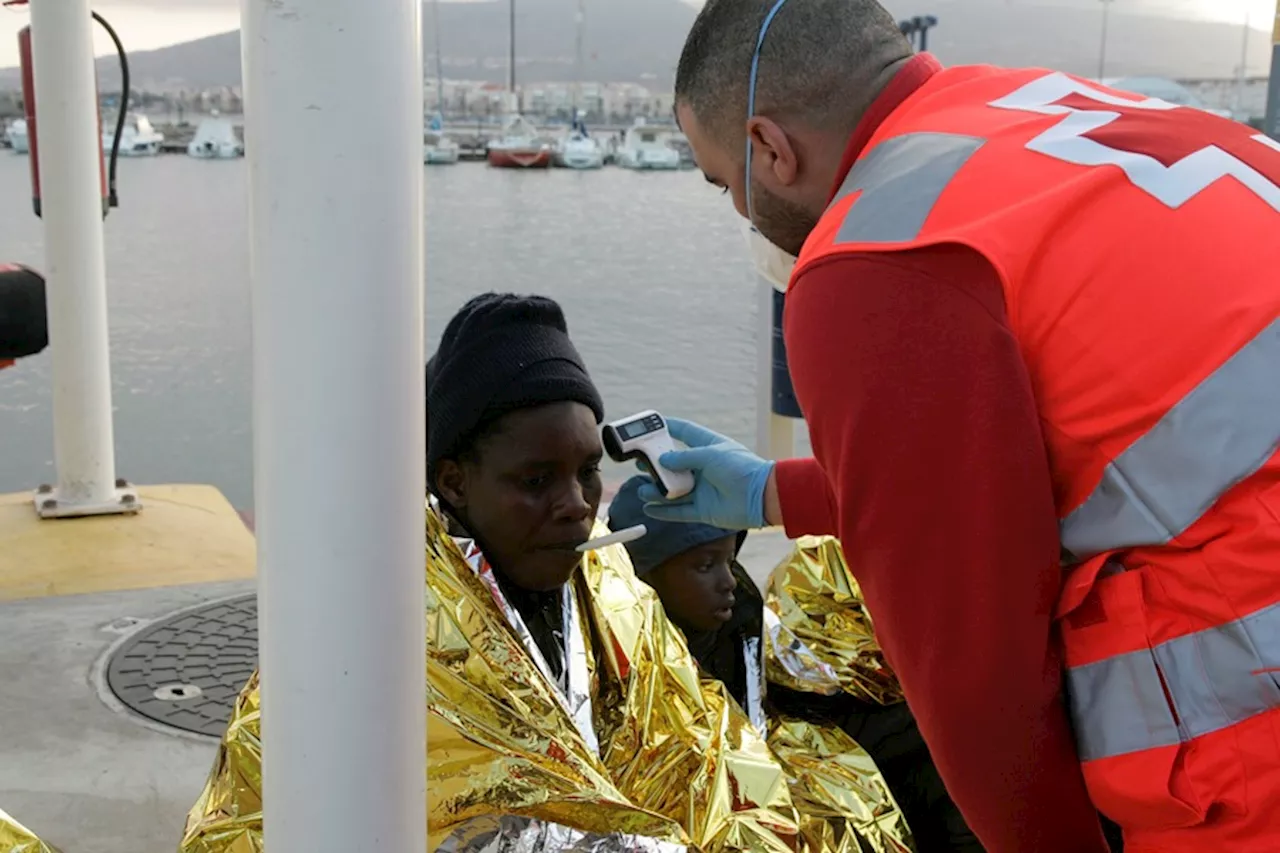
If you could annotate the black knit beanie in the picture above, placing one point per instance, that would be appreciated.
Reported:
(499, 353)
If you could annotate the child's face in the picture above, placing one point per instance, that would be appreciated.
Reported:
(696, 587)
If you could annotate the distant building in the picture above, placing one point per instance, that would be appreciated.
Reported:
(612, 103)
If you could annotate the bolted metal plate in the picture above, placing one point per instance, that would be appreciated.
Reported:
(186, 671)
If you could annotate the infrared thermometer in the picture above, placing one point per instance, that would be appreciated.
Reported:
(644, 436)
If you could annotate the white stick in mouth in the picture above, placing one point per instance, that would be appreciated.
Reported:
(628, 534)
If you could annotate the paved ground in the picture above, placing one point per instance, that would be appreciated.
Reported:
(74, 769)
(83, 776)
(762, 552)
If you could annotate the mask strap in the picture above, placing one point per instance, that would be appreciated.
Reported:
(751, 97)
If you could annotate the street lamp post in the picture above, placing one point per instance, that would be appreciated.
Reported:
(1243, 71)
(1272, 125)
(1102, 50)
(918, 26)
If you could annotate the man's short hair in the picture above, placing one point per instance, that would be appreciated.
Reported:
(817, 62)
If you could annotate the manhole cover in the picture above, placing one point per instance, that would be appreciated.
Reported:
(186, 671)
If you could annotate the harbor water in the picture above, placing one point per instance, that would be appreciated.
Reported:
(651, 269)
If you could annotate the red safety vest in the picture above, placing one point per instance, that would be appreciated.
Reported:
(1138, 244)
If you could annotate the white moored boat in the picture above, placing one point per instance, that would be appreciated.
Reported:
(139, 138)
(438, 149)
(579, 150)
(17, 134)
(215, 139)
(646, 147)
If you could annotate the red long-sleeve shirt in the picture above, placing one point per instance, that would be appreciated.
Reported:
(930, 466)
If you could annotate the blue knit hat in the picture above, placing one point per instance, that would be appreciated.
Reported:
(665, 539)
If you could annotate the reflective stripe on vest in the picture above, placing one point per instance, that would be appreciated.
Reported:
(1213, 678)
(1224, 430)
(900, 181)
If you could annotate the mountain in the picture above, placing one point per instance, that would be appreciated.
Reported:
(640, 40)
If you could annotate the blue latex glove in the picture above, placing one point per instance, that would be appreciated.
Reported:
(729, 481)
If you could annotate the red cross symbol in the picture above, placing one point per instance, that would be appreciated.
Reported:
(1171, 152)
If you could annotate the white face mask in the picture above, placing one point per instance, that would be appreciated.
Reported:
(770, 261)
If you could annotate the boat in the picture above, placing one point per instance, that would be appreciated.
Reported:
(215, 139)
(17, 134)
(519, 146)
(646, 147)
(680, 143)
(579, 150)
(139, 138)
(438, 149)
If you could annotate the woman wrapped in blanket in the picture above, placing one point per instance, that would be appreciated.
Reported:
(565, 712)
(513, 458)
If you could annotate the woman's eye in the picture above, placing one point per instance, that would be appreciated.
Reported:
(591, 471)
(533, 484)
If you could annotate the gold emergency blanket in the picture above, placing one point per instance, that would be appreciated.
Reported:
(227, 818)
(818, 633)
(679, 766)
(844, 803)
(16, 838)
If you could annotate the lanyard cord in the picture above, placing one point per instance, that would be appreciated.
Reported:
(751, 97)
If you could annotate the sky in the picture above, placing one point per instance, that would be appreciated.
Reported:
(142, 24)
(148, 24)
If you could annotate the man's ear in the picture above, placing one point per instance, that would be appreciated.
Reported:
(772, 150)
(451, 483)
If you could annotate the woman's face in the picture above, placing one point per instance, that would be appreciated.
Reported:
(530, 492)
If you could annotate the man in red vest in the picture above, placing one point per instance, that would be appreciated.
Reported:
(1033, 330)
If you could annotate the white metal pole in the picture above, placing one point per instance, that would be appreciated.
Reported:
(1102, 47)
(1243, 72)
(581, 20)
(764, 366)
(75, 267)
(1271, 125)
(333, 111)
(435, 14)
